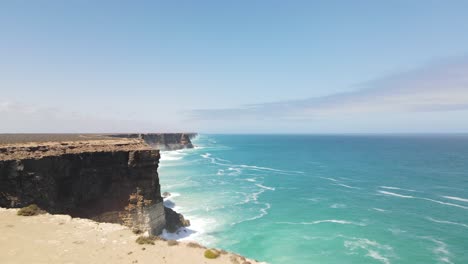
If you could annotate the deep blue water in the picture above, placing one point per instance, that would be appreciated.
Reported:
(325, 199)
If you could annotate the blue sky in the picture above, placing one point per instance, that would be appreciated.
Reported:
(234, 66)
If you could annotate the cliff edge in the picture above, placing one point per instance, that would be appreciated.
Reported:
(109, 180)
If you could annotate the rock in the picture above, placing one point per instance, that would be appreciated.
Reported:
(166, 194)
(164, 141)
(174, 220)
(112, 181)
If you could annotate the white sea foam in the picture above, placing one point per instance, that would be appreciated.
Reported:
(337, 205)
(446, 222)
(396, 194)
(347, 186)
(197, 230)
(379, 210)
(268, 169)
(171, 155)
(265, 187)
(334, 221)
(330, 179)
(440, 250)
(374, 250)
(220, 172)
(422, 198)
(263, 212)
(396, 188)
(250, 180)
(376, 255)
(444, 203)
(234, 171)
(456, 198)
(206, 155)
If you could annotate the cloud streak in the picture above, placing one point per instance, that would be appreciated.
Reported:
(441, 86)
(24, 118)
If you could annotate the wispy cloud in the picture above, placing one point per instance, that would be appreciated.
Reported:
(18, 117)
(441, 86)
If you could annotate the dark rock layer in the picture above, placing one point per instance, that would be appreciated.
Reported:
(164, 141)
(174, 220)
(119, 186)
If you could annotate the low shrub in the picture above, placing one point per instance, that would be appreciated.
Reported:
(194, 245)
(146, 240)
(137, 231)
(211, 253)
(30, 210)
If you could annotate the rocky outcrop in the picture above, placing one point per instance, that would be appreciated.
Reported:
(105, 180)
(174, 220)
(164, 141)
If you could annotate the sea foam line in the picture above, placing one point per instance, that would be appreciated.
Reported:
(347, 186)
(396, 188)
(456, 198)
(243, 166)
(265, 187)
(441, 250)
(372, 248)
(334, 221)
(396, 194)
(446, 222)
(421, 198)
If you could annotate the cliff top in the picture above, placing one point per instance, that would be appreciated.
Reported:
(72, 145)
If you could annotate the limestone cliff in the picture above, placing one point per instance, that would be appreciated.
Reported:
(106, 180)
(164, 141)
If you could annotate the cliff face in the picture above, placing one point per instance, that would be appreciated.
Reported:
(106, 180)
(164, 141)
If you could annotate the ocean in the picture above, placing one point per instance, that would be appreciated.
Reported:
(324, 199)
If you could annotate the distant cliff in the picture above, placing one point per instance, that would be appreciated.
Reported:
(164, 141)
(106, 180)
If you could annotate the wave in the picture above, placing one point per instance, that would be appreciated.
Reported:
(446, 222)
(199, 227)
(330, 179)
(268, 169)
(263, 212)
(440, 250)
(234, 171)
(220, 172)
(206, 155)
(444, 203)
(374, 249)
(334, 221)
(396, 194)
(456, 198)
(422, 198)
(171, 155)
(250, 180)
(337, 205)
(265, 187)
(379, 210)
(396, 188)
(347, 186)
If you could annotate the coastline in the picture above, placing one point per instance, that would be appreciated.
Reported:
(65, 236)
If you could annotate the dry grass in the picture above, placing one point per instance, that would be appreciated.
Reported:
(172, 242)
(194, 245)
(30, 210)
(146, 240)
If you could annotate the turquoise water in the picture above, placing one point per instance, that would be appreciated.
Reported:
(325, 199)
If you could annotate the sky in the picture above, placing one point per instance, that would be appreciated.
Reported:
(234, 66)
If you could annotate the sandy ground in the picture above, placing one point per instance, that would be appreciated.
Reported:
(61, 239)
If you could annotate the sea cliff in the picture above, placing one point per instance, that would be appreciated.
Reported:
(164, 141)
(107, 178)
